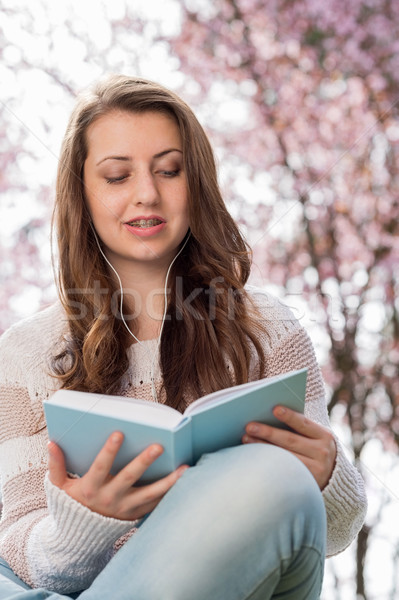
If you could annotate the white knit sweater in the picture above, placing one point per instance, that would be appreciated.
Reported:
(52, 541)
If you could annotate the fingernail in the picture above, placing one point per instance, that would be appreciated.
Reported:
(116, 438)
(280, 410)
(155, 451)
(182, 470)
(252, 428)
(50, 446)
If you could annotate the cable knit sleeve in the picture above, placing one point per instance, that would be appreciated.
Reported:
(49, 539)
(288, 347)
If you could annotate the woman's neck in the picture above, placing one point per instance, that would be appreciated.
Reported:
(144, 297)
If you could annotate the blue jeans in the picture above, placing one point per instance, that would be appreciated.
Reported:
(246, 523)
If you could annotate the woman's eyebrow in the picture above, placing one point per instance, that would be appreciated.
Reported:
(127, 158)
(167, 152)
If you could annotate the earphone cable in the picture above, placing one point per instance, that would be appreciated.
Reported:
(153, 389)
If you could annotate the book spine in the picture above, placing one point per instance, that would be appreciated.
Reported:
(183, 444)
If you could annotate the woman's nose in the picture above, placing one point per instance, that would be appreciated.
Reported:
(145, 190)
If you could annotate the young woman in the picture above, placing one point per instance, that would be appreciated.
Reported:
(153, 305)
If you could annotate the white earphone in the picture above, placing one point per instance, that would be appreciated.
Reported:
(153, 389)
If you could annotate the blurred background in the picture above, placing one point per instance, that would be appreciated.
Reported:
(301, 101)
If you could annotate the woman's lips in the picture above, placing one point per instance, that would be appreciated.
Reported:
(148, 228)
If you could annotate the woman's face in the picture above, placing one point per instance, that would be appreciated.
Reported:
(135, 186)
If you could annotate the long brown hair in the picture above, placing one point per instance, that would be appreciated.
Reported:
(206, 344)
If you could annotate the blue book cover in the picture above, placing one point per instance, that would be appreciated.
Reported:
(80, 422)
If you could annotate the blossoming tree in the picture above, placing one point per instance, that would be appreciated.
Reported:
(313, 88)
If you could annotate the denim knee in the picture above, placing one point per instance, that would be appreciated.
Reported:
(265, 483)
(232, 524)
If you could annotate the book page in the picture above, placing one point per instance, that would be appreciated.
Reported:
(129, 409)
(238, 390)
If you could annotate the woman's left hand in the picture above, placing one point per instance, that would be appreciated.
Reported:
(312, 443)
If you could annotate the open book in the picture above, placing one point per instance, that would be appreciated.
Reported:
(80, 422)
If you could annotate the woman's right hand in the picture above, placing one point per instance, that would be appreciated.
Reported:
(113, 495)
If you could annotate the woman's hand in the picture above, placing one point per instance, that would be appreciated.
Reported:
(113, 496)
(313, 444)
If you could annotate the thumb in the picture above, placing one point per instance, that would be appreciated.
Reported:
(56, 465)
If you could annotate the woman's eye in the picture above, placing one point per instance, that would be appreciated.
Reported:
(171, 173)
(116, 179)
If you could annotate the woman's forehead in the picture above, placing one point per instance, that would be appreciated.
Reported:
(123, 133)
